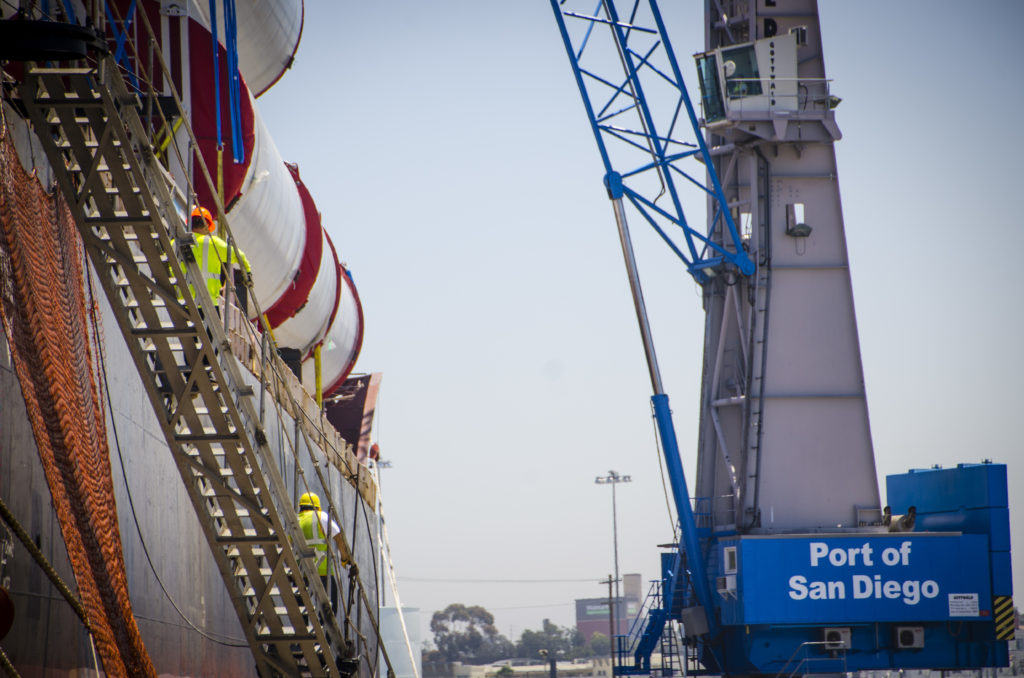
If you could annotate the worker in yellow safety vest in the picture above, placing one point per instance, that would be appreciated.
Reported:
(212, 253)
(316, 525)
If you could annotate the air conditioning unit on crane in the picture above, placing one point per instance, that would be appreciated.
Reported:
(909, 637)
(726, 585)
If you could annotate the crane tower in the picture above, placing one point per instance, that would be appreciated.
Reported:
(784, 436)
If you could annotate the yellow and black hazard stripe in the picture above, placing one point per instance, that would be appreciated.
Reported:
(1005, 617)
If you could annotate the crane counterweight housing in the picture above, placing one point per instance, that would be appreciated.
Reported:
(787, 560)
(927, 598)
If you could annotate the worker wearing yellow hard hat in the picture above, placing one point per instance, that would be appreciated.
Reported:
(309, 500)
(316, 527)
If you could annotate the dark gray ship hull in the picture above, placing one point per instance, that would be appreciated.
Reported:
(184, 614)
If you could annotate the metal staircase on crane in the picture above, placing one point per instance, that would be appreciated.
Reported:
(655, 627)
(124, 204)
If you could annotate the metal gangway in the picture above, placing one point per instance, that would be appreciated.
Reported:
(131, 221)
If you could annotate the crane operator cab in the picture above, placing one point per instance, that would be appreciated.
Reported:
(755, 79)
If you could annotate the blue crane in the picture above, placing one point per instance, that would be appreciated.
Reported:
(809, 572)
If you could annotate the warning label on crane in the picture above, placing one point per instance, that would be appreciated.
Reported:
(858, 577)
(963, 605)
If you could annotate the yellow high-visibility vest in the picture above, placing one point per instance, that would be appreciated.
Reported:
(309, 521)
(211, 253)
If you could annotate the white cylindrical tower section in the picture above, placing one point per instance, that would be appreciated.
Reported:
(344, 339)
(268, 37)
(310, 324)
(267, 212)
(268, 219)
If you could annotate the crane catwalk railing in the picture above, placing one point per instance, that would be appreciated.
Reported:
(122, 202)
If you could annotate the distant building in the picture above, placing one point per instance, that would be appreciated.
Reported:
(597, 667)
(592, 613)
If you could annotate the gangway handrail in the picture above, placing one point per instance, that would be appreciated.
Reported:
(123, 204)
(261, 318)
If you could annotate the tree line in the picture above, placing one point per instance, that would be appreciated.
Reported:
(467, 634)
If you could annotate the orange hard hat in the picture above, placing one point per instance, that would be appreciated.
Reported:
(203, 214)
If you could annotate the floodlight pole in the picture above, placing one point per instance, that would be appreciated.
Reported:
(614, 478)
(612, 650)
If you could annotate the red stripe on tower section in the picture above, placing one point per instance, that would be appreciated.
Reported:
(204, 116)
(346, 277)
(295, 297)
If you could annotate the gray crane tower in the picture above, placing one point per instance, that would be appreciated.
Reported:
(785, 441)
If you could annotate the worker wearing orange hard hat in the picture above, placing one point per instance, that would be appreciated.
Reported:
(212, 252)
(202, 220)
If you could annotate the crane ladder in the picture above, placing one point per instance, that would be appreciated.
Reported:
(123, 202)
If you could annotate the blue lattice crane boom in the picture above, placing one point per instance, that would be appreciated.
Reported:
(645, 157)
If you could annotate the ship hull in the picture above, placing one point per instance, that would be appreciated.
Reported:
(178, 598)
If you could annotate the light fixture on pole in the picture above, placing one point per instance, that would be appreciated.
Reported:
(614, 478)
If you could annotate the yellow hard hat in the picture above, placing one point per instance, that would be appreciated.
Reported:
(309, 500)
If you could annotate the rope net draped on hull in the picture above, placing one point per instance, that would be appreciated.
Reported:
(43, 308)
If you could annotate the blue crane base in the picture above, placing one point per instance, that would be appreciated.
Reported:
(863, 647)
(932, 590)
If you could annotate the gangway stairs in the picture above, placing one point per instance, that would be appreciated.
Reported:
(123, 202)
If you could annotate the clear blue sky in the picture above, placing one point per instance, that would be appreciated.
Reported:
(447, 148)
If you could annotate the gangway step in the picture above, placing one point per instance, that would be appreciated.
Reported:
(254, 540)
(68, 102)
(276, 637)
(194, 438)
(123, 221)
(171, 331)
(88, 144)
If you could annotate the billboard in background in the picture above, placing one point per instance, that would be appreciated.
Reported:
(592, 615)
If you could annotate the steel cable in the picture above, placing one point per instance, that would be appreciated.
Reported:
(8, 666)
(44, 564)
